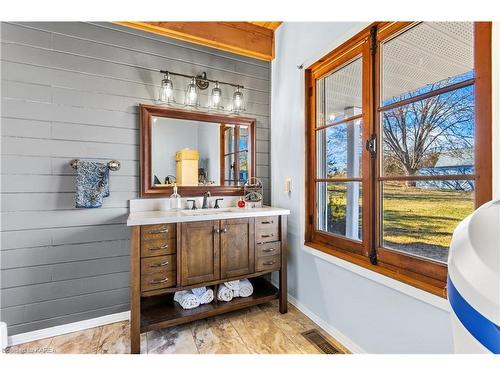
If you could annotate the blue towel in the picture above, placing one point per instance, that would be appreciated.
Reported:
(92, 184)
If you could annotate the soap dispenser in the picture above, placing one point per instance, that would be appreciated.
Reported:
(175, 200)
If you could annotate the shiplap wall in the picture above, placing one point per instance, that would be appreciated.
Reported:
(71, 90)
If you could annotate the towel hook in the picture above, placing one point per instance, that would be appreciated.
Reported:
(113, 165)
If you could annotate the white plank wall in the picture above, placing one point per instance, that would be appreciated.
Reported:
(71, 90)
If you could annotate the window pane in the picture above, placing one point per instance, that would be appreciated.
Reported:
(229, 169)
(338, 150)
(243, 132)
(338, 95)
(339, 209)
(243, 160)
(229, 140)
(425, 57)
(418, 217)
(434, 136)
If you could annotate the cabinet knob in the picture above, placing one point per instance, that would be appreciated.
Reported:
(268, 222)
(269, 263)
(267, 235)
(224, 230)
(271, 249)
(216, 230)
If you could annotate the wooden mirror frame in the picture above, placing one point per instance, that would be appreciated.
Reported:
(147, 111)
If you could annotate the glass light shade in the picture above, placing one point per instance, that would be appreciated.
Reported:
(216, 98)
(192, 93)
(238, 102)
(166, 90)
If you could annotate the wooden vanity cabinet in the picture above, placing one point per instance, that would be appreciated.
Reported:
(219, 249)
(199, 252)
(237, 244)
(166, 258)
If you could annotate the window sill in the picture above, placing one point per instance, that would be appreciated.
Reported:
(416, 287)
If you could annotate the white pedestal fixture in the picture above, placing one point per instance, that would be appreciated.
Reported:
(474, 281)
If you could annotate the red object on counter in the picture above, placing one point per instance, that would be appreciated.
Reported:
(241, 203)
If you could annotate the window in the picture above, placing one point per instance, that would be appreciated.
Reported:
(399, 145)
(235, 154)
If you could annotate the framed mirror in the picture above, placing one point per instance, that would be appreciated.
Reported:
(197, 151)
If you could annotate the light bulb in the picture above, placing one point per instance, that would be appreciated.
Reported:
(192, 93)
(238, 104)
(166, 90)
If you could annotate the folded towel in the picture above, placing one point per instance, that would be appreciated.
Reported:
(224, 294)
(198, 292)
(186, 299)
(234, 285)
(246, 288)
(92, 184)
(205, 295)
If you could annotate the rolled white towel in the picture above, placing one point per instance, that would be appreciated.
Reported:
(234, 285)
(186, 299)
(224, 294)
(246, 288)
(207, 297)
(198, 292)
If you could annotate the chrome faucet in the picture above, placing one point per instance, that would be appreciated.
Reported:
(205, 200)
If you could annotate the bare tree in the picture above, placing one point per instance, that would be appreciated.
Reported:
(416, 134)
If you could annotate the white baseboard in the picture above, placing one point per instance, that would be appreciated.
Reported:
(3, 335)
(21, 338)
(339, 336)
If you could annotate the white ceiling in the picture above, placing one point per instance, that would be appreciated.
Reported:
(426, 53)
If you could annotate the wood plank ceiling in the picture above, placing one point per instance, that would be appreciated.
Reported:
(252, 39)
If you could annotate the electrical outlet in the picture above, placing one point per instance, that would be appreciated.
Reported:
(288, 185)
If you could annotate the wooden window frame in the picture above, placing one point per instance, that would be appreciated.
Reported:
(418, 272)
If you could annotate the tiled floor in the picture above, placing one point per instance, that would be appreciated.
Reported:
(261, 329)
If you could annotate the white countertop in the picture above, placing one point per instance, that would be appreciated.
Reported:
(180, 216)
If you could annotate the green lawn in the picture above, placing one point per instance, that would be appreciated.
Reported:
(423, 216)
(419, 220)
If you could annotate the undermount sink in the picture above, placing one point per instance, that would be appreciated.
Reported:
(206, 211)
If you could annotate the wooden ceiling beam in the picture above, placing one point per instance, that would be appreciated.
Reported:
(242, 38)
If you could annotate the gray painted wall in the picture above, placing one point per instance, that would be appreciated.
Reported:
(71, 90)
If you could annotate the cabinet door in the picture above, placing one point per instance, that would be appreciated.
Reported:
(199, 252)
(237, 244)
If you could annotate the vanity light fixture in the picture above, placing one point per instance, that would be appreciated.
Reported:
(238, 102)
(216, 98)
(199, 83)
(192, 94)
(166, 90)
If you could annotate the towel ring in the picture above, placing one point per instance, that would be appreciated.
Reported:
(113, 165)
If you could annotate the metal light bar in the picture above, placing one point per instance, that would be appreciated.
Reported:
(202, 78)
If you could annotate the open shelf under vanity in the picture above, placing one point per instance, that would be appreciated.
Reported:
(162, 311)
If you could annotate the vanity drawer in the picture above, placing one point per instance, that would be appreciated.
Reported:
(267, 223)
(268, 263)
(157, 232)
(158, 247)
(158, 264)
(267, 249)
(267, 229)
(158, 280)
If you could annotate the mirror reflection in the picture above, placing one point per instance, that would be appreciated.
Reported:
(197, 153)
